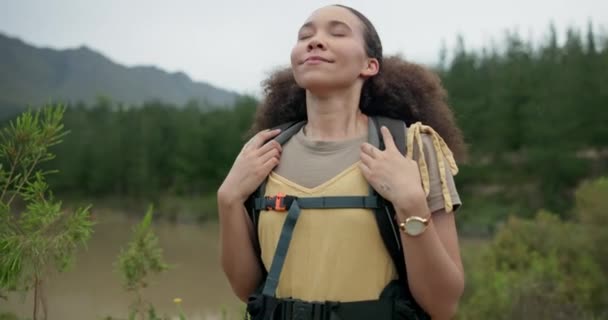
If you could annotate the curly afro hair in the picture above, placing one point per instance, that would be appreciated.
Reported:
(401, 90)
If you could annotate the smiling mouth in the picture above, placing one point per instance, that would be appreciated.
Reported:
(316, 60)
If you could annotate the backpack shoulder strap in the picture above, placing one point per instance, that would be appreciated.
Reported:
(288, 130)
(397, 129)
(389, 230)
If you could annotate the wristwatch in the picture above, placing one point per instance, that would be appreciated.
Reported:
(414, 226)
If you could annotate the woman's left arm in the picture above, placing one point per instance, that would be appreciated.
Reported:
(434, 267)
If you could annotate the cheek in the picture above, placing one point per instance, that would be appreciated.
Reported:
(357, 58)
(348, 69)
(352, 57)
(296, 52)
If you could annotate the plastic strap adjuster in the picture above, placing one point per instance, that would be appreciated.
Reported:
(280, 202)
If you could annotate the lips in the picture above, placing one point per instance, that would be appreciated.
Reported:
(316, 59)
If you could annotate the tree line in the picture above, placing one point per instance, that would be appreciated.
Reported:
(535, 118)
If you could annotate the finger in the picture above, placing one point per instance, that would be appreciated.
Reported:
(366, 159)
(270, 154)
(270, 164)
(369, 150)
(389, 142)
(270, 145)
(365, 170)
(261, 137)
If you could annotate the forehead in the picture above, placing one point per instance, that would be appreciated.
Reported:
(334, 13)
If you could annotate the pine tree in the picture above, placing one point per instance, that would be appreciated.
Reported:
(38, 237)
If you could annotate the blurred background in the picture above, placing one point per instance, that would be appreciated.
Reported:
(159, 96)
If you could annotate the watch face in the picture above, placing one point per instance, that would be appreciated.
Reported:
(414, 227)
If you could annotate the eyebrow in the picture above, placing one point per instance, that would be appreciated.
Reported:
(332, 23)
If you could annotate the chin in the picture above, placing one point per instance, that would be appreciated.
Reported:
(318, 83)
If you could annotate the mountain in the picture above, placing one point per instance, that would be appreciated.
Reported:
(34, 76)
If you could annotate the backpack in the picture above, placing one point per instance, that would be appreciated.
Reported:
(384, 212)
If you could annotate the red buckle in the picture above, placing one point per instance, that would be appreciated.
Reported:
(279, 203)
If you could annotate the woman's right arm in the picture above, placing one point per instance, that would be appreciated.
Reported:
(238, 256)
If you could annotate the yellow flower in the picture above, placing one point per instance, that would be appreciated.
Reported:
(177, 300)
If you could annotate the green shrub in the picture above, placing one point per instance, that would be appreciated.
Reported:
(543, 268)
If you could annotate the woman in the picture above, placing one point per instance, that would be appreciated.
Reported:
(337, 82)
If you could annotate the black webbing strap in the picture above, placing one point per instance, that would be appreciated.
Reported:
(272, 280)
(283, 202)
(381, 309)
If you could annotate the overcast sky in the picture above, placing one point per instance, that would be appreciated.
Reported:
(235, 44)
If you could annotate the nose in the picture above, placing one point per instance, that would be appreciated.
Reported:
(315, 43)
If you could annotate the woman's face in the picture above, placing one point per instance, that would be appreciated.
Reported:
(329, 53)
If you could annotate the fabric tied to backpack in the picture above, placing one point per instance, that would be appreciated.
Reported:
(441, 148)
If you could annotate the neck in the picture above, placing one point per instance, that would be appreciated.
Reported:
(334, 116)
